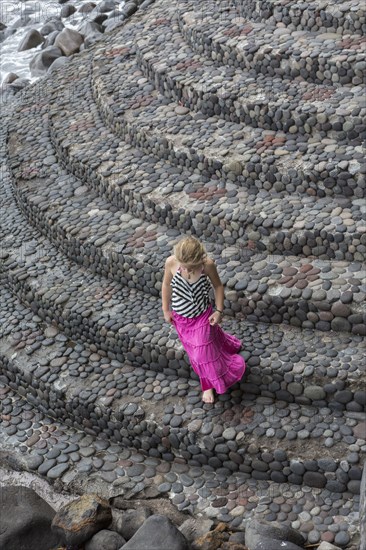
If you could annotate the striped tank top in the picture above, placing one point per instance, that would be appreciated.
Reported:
(190, 299)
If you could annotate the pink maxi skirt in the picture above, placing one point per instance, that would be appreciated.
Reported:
(212, 352)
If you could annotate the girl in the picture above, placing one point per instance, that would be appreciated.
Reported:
(185, 295)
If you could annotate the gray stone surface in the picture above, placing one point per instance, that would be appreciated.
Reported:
(25, 520)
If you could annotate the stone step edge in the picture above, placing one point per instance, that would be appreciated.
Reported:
(164, 213)
(116, 265)
(130, 202)
(312, 17)
(263, 492)
(167, 356)
(172, 444)
(235, 107)
(204, 36)
(239, 170)
(63, 386)
(263, 376)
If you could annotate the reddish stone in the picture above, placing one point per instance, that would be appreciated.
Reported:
(289, 271)
(301, 284)
(359, 430)
(284, 280)
(219, 502)
(326, 316)
(314, 271)
(305, 268)
(327, 536)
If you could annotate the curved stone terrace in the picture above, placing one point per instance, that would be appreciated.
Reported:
(242, 124)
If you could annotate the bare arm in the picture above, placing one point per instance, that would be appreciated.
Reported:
(211, 271)
(166, 291)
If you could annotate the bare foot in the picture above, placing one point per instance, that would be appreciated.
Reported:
(208, 396)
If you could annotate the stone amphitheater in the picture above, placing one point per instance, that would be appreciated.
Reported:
(239, 122)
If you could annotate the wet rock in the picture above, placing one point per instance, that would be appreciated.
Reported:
(32, 39)
(257, 530)
(43, 60)
(10, 77)
(69, 41)
(52, 25)
(128, 522)
(67, 11)
(156, 533)
(105, 540)
(30, 526)
(193, 528)
(79, 520)
(60, 62)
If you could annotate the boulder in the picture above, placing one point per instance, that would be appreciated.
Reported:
(19, 84)
(25, 520)
(2, 26)
(257, 531)
(78, 521)
(157, 532)
(129, 9)
(60, 62)
(105, 540)
(50, 40)
(67, 11)
(107, 5)
(128, 522)
(88, 28)
(32, 39)
(51, 26)
(21, 22)
(146, 4)
(69, 41)
(43, 60)
(113, 23)
(100, 19)
(92, 39)
(87, 8)
(10, 77)
(194, 528)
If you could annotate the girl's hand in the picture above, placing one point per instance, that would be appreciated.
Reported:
(168, 316)
(215, 318)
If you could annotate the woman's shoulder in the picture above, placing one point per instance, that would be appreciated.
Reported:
(171, 263)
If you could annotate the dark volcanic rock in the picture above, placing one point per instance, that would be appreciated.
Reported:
(25, 520)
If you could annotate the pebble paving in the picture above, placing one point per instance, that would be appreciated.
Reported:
(242, 124)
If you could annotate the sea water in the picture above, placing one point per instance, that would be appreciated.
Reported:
(39, 13)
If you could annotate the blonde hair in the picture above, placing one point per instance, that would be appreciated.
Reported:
(190, 251)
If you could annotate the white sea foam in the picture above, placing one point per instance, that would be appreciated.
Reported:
(40, 12)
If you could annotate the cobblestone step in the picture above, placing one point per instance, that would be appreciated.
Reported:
(284, 363)
(344, 16)
(82, 386)
(322, 58)
(203, 141)
(217, 211)
(126, 251)
(184, 75)
(90, 230)
(44, 445)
